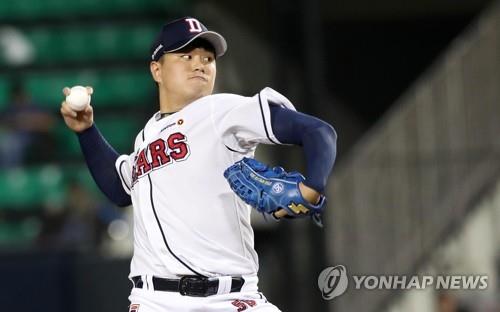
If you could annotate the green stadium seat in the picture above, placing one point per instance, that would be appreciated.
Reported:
(30, 188)
(112, 88)
(61, 9)
(92, 43)
(57, 45)
(120, 132)
(66, 143)
(81, 175)
(19, 232)
(27, 189)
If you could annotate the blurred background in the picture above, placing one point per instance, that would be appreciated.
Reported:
(412, 88)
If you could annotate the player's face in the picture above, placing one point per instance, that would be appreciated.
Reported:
(187, 75)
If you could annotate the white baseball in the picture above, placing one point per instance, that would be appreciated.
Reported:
(78, 98)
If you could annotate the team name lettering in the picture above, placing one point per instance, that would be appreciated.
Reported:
(160, 153)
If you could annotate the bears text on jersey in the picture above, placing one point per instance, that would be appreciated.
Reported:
(160, 153)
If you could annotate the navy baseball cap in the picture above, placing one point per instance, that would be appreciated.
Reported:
(181, 32)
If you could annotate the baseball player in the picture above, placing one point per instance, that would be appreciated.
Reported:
(193, 242)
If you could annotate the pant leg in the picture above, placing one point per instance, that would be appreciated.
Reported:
(239, 301)
(161, 301)
(143, 300)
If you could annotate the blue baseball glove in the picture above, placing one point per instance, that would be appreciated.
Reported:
(271, 189)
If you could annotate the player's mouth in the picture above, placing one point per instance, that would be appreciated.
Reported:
(201, 78)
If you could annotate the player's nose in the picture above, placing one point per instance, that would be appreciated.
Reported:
(197, 64)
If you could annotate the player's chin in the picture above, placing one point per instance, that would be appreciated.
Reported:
(200, 85)
(202, 88)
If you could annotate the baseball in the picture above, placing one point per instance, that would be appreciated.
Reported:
(78, 98)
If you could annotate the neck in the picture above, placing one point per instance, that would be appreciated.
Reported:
(174, 103)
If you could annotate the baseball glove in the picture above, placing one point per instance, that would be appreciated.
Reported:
(271, 189)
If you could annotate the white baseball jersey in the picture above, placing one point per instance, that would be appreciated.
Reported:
(187, 220)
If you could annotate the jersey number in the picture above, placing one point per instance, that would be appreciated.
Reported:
(162, 153)
(242, 305)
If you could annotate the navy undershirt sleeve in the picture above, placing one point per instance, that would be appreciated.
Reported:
(101, 158)
(317, 138)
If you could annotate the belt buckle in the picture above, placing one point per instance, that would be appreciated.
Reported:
(194, 286)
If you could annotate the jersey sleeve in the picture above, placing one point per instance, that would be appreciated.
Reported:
(124, 167)
(245, 122)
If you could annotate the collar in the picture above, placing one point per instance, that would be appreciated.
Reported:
(161, 115)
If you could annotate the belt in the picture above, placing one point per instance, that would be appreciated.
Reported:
(195, 286)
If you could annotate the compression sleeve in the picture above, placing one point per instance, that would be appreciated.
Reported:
(317, 138)
(100, 158)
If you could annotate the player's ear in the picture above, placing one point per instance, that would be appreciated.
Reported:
(155, 68)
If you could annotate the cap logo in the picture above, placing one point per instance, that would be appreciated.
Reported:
(194, 25)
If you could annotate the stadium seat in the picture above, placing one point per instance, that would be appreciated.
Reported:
(112, 88)
(60, 9)
(119, 131)
(115, 88)
(29, 188)
(108, 42)
(67, 145)
(81, 174)
(19, 232)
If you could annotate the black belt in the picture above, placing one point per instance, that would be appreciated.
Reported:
(195, 286)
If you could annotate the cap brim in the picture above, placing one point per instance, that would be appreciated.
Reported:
(215, 39)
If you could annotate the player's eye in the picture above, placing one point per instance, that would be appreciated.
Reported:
(208, 59)
(186, 57)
